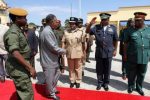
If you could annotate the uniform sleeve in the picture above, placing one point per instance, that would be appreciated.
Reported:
(49, 40)
(92, 31)
(126, 36)
(83, 36)
(115, 35)
(11, 42)
(120, 35)
(63, 39)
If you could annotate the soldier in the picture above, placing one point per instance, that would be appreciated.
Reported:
(137, 52)
(106, 47)
(43, 25)
(72, 42)
(130, 23)
(85, 39)
(59, 32)
(33, 42)
(17, 64)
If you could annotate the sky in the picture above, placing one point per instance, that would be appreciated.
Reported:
(39, 9)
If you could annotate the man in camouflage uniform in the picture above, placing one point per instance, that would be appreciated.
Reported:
(59, 32)
(17, 64)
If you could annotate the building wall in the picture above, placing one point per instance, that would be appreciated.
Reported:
(122, 14)
(3, 12)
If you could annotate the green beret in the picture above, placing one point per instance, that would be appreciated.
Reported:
(31, 25)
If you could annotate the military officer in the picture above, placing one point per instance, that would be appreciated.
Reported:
(137, 52)
(72, 42)
(106, 47)
(130, 24)
(85, 39)
(17, 64)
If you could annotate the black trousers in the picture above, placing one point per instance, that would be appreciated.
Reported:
(136, 75)
(103, 67)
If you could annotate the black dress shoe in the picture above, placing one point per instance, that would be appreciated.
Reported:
(98, 87)
(72, 85)
(88, 61)
(77, 85)
(106, 88)
(54, 97)
(130, 90)
(82, 73)
(140, 92)
(57, 92)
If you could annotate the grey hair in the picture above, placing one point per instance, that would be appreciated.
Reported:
(50, 18)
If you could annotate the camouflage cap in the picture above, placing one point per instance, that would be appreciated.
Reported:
(31, 25)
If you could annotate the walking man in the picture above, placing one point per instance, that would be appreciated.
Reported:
(17, 64)
(49, 55)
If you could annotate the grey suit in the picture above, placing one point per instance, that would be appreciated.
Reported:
(49, 53)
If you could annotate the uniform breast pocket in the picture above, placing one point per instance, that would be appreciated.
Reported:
(23, 42)
(134, 37)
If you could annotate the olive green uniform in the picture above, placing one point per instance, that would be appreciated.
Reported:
(14, 39)
(138, 52)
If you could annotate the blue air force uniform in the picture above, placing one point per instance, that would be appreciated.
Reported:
(105, 36)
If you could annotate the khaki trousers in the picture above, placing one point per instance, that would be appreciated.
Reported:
(75, 70)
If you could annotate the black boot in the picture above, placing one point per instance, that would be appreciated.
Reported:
(77, 85)
(72, 85)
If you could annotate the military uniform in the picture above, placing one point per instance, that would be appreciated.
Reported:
(105, 36)
(138, 52)
(73, 45)
(59, 32)
(14, 39)
(121, 38)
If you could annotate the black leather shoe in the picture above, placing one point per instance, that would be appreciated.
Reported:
(98, 87)
(106, 88)
(54, 97)
(77, 85)
(88, 61)
(57, 92)
(140, 92)
(82, 73)
(72, 85)
(130, 90)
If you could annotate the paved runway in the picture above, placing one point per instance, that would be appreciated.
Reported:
(117, 84)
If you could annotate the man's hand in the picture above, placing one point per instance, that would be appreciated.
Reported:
(114, 53)
(33, 72)
(93, 21)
